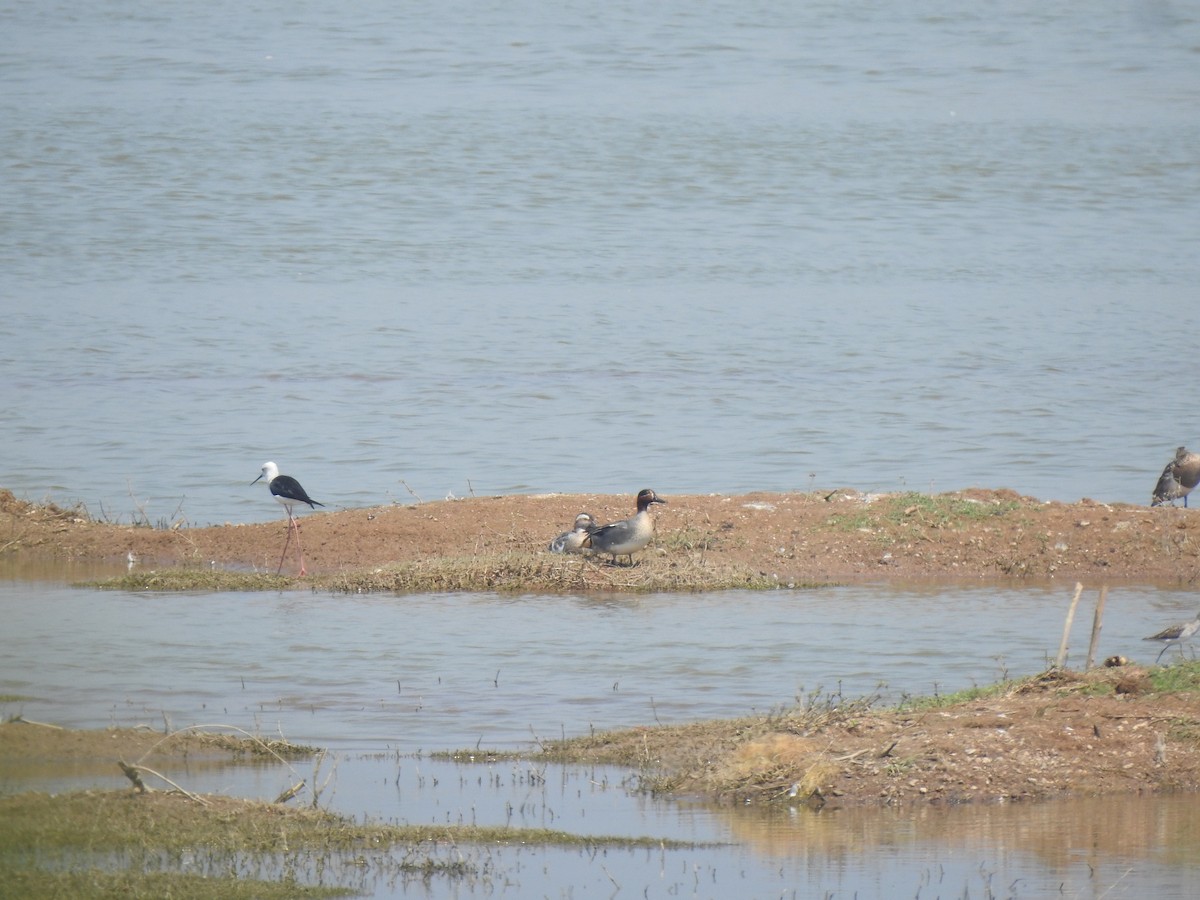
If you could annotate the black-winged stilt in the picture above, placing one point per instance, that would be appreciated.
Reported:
(288, 492)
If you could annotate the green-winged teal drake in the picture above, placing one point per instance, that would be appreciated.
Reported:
(628, 536)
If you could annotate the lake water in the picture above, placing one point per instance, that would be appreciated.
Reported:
(382, 680)
(430, 672)
(414, 250)
(418, 249)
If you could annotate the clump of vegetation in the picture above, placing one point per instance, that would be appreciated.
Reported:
(552, 573)
(100, 884)
(776, 753)
(943, 510)
(195, 578)
(22, 514)
(1178, 677)
(921, 511)
(145, 828)
(10, 505)
(798, 752)
(256, 747)
(506, 572)
(691, 539)
(776, 765)
(226, 834)
(818, 710)
(966, 695)
(1183, 677)
(116, 821)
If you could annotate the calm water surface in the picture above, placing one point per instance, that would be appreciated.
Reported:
(382, 680)
(413, 250)
(429, 672)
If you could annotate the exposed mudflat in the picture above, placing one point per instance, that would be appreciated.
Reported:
(797, 537)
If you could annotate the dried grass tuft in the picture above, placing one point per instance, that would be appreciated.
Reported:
(196, 579)
(775, 763)
(553, 573)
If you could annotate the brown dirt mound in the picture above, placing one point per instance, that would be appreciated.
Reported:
(1059, 734)
(797, 537)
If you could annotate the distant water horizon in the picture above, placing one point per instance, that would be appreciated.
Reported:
(709, 249)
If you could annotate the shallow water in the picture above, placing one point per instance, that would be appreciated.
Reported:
(422, 672)
(383, 680)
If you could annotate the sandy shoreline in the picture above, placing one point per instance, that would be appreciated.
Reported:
(788, 537)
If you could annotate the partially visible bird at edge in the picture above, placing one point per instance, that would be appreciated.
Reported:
(573, 541)
(288, 492)
(1177, 634)
(628, 536)
(1178, 478)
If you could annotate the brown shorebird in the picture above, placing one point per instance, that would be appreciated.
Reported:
(1178, 478)
(628, 536)
(288, 492)
(1177, 634)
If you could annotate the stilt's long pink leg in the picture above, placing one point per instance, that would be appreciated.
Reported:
(285, 545)
(299, 548)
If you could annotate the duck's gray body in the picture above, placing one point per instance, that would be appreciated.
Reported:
(628, 536)
(574, 541)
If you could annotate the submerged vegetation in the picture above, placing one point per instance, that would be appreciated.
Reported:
(99, 884)
(228, 837)
(111, 821)
(151, 842)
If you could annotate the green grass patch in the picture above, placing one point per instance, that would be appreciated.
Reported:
(196, 579)
(99, 884)
(1097, 688)
(152, 833)
(505, 573)
(921, 510)
(967, 695)
(942, 510)
(120, 821)
(1180, 677)
(1183, 677)
(551, 573)
(690, 539)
